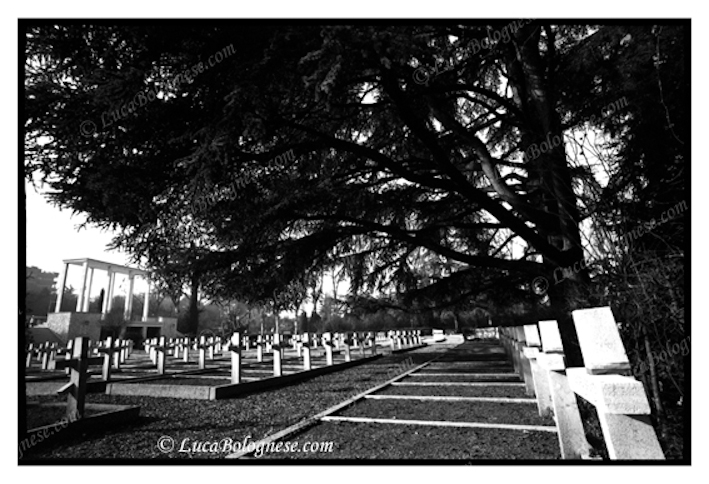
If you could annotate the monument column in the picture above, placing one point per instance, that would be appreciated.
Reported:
(107, 294)
(60, 290)
(146, 303)
(80, 300)
(111, 288)
(129, 300)
(87, 299)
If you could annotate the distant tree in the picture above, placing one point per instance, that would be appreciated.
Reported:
(69, 300)
(302, 322)
(38, 303)
(315, 323)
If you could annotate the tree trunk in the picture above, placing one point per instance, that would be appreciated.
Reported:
(549, 185)
(654, 386)
(191, 322)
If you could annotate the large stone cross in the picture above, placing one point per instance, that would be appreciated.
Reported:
(76, 388)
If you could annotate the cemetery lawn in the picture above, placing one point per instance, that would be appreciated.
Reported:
(254, 416)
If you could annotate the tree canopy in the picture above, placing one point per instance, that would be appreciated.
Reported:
(430, 161)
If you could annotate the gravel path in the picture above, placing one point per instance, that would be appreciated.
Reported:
(253, 416)
(189, 424)
(412, 442)
(394, 440)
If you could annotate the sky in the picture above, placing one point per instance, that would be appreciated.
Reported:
(53, 235)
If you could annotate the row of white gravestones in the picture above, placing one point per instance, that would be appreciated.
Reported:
(159, 348)
(114, 352)
(77, 363)
(621, 402)
(304, 343)
(264, 344)
(403, 338)
(43, 352)
(383, 338)
(207, 347)
(486, 333)
(46, 353)
(49, 353)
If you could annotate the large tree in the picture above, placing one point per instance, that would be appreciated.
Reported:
(323, 146)
(386, 165)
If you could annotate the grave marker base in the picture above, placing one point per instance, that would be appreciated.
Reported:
(108, 416)
(205, 392)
